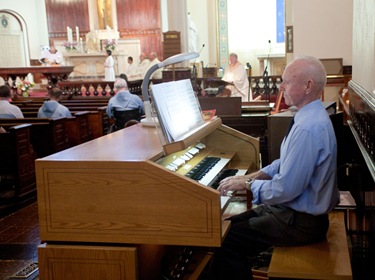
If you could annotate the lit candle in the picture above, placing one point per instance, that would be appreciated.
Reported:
(67, 32)
(77, 34)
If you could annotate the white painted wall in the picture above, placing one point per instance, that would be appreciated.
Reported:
(322, 28)
(33, 12)
(204, 15)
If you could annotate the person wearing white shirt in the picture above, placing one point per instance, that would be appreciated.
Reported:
(52, 57)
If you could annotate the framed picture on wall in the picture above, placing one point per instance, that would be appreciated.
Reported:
(289, 39)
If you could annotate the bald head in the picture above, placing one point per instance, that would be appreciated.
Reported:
(303, 81)
(310, 67)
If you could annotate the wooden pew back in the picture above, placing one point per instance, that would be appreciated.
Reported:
(17, 166)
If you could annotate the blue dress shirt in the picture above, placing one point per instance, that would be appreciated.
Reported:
(304, 177)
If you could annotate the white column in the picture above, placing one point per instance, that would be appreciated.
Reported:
(177, 20)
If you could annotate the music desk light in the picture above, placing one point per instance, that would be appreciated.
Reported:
(146, 98)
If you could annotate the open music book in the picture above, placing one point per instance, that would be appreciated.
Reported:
(177, 108)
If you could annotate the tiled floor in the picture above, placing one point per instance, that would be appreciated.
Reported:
(19, 240)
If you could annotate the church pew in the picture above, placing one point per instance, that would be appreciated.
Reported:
(17, 167)
(98, 121)
(78, 128)
(47, 136)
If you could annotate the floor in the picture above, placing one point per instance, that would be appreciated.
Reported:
(19, 240)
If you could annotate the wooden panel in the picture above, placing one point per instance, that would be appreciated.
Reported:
(141, 19)
(61, 262)
(138, 14)
(124, 202)
(61, 14)
(225, 106)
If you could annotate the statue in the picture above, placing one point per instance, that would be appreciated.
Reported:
(104, 8)
(92, 42)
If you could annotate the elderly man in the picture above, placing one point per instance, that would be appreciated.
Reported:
(236, 75)
(124, 100)
(142, 67)
(154, 60)
(295, 193)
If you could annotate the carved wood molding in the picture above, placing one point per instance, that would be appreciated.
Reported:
(138, 32)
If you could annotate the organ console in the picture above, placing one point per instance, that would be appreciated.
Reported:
(117, 206)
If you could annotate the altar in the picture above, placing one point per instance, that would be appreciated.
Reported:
(91, 65)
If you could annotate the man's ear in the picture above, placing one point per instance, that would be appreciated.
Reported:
(309, 86)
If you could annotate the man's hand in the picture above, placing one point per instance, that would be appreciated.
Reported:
(233, 183)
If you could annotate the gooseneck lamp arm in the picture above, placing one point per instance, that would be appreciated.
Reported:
(170, 60)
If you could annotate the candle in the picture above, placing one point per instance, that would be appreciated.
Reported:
(108, 33)
(70, 35)
(77, 34)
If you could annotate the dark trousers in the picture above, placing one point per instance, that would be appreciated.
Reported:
(256, 230)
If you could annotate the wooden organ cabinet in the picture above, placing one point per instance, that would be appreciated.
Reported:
(112, 208)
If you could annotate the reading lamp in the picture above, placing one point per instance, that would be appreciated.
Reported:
(170, 60)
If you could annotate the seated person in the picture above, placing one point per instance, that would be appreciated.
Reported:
(142, 66)
(52, 57)
(158, 74)
(123, 99)
(293, 194)
(236, 75)
(52, 108)
(124, 76)
(8, 110)
(131, 69)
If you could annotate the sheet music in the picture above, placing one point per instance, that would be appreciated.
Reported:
(177, 107)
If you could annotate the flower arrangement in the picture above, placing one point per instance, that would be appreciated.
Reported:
(70, 46)
(110, 44)
(24, 86)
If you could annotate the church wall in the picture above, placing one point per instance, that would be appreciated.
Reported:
(203, 14)
(141, 19)
(322, 28)
(33, 13)
(68, 13)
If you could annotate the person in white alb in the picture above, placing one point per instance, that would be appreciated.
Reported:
(52, 57)
(154, 60)
(236, 75)
(131, 70)
(109, 71)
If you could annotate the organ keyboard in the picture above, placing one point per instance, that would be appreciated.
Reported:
(128, 189)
